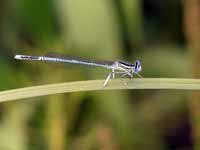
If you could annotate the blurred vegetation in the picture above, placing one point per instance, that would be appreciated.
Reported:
(150, 30)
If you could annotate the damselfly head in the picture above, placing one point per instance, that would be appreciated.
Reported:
(137, 67)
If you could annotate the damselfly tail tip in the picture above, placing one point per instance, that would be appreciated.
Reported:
(26, 57)
(18, 57)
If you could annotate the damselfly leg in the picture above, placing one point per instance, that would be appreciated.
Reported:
(107, 79)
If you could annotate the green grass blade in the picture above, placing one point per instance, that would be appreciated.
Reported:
(91, 85)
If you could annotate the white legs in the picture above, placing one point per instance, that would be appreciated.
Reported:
(112, 75)
(107, 79)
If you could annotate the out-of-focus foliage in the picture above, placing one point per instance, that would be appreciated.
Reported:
(149, 30)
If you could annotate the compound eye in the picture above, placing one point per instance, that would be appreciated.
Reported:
(137, 66)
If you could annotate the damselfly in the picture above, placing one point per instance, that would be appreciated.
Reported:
(117, 67)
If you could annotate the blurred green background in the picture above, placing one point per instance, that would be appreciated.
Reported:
(150, 30)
